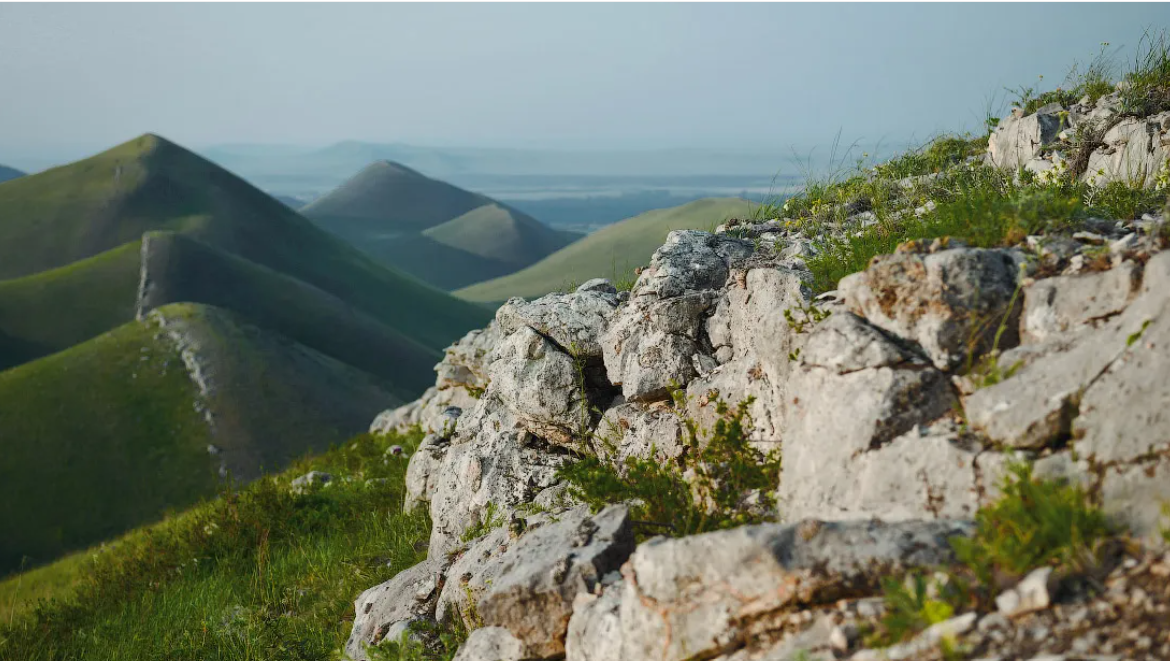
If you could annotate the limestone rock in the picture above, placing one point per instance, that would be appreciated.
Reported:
(595, 628)
(630, 429)
(537, 381)
(1065, 303)
(574, 321)
(1135, 150)
(947, 301)
(853, 405)
(690, 260)
(530, 586)
(310, 481)
(385, 611)
(1031, 594)
(492, 459)
(693, 597)
(1018, 139)
(491, 644)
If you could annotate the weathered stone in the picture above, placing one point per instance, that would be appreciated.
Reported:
(599, 285)
(923, 642)
(538, 382)
(310, 481)
(595, 627)
(574, 321)
(492, 459)
(1033, 593)
(652, 344)
(1018, 139)
(950, 302)
(1135, 495)
(631, 429)
(696, 596)
(491, 644)
(1135, 150)
(385, 611)
(529, 586)
(838, 414)
(421, 470)
(1064, 303)
(690, 260)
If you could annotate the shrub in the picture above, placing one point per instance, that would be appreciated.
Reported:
(1034, 523)
(916, 602)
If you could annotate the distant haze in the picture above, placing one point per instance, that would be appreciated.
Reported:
(759, 77)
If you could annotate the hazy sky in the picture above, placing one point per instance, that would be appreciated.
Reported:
(528, 75)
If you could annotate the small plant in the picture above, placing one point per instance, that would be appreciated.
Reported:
(810, 315)
(722, 480)
(1034, 523)
(492, 518)
(1137, 335)
(424, 641)
(916, 602)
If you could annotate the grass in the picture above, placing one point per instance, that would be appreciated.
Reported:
(612, 252)
(55, 218)
(259, 573)
(439, 233)
(1034, 523)
(722, 481)
(112, 426)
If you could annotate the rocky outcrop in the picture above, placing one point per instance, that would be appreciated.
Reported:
(899, 401)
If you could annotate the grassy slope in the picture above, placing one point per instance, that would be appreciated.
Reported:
(7, 173)
(57, 217)
(391, 197)
(465, 237)
(276, 577)
(106, 435)
(612, 252)
(54, 310)
(500, 233)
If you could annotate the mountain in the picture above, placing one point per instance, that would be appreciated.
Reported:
(611, 252)
(51, 222)
(442, 234)
(291, 338)
(107, 434)
(7, 173)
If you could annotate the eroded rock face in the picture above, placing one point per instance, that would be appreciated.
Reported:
(385, 612)
(538, 383)
(698, 596)
(654, 342)
(1018, 139)
(491, 644)
(1065, 303)
(424, 463)
(528, 586)
(948, 302)
(845, 405)
(574, 321)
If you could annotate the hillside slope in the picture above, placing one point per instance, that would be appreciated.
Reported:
(52, 219)
(611, 252)
(7, 173)
(122, 430)
(439, 233)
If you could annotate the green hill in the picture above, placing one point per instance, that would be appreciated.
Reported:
(107, 434)
(611, 252)
(51, 220)
(7, 173)
(388, 197)
(439, 233)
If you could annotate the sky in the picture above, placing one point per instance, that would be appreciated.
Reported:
(543, 76)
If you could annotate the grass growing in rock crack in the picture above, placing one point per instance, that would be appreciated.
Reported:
(915, 602)
(1036, 522)
(730, 482)
(259, 573)
(423, 642)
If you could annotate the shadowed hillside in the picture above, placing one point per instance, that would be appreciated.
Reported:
(611, 252)
(121, 428)
(7, 173)
(441, 234)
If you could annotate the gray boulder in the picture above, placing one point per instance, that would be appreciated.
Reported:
(574, 321)
(950, 302)
(529, 586)
(1018, 138)
(538, 383)
(844, 404)
(1135, 150)
(690, 260)
(1065, 303)
(386, 611)
(698, 596)
(491, 644)
(631, 429)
